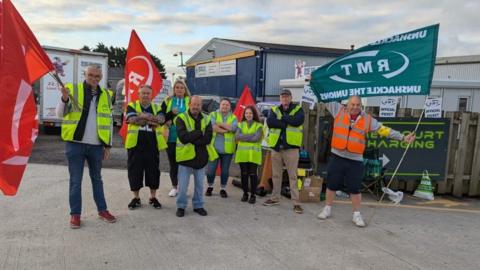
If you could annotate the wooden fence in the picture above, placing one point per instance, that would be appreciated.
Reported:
(463, 157)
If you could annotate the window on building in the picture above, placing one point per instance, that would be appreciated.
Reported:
(463, 104)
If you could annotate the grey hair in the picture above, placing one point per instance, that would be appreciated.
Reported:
(94, 67)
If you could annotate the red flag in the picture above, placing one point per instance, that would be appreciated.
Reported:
(22, 61)
(139, 70)
(245, 100)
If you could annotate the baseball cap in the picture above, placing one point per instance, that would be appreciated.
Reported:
(285, 92)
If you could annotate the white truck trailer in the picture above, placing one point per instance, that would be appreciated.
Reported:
(70, 65)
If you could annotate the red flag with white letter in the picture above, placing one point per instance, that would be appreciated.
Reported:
(245, 100)
(139, 70)
(22, 62)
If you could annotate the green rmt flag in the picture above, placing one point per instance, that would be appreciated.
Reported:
(399, 65)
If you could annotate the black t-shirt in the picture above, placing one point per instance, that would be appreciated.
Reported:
(146, 135)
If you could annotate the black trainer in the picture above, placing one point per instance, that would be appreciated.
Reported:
(200, 211)
(180, 212)
(252, 199)
(223, 193)
(134, 204)
(209, 191)
(245, 197)
(155, 203)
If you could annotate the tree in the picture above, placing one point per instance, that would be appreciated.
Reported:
(117, 56)
(85, 48)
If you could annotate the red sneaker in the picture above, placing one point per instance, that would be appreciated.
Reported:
(107, 217)
(75, 221)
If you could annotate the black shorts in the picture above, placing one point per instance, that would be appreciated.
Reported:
(143, 162)
(345, 174)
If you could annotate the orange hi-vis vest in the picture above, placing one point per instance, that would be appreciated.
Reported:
(350, 137)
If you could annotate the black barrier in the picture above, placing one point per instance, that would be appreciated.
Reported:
(427, 152)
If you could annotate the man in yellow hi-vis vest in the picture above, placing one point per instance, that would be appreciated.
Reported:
(87, 130)
(144, 141)
(285, 136)
(193, 150)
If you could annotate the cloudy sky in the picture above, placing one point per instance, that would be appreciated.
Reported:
(169, 26)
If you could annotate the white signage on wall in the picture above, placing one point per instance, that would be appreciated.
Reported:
(223, 68)
(63, 64)
(227, 68)
(212, 69)
(201, 71)
(308, 70)
(388, 106)
(302, 71)
(299, 65)
(433, 107)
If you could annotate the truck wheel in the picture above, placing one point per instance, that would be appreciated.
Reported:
(52, 130)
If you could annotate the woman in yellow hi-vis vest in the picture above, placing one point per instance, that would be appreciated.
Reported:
(172, 106)
(144, 141)
(224, 125)
(249, 151)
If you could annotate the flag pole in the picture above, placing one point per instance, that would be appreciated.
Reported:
(57, 79)
(397, 168)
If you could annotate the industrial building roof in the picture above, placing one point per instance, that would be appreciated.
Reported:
(287, 47)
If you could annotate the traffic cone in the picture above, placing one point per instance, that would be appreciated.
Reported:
(424, 189)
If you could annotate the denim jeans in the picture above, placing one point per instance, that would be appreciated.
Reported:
(183, 181)
(76, 154)
(225, 160)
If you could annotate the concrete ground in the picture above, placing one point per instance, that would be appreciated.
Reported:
(34, 232)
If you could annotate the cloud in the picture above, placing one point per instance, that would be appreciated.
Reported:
(187, 48)
(187, 26)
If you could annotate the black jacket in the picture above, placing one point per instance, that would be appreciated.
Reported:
(294, 120)
(196, 137)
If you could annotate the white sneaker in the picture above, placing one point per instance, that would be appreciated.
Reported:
(173, 192)
(358, 220)
(326, 213)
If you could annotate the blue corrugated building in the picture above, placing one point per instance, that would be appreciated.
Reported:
(223, 67)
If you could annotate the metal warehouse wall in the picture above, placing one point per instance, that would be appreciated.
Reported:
(449, 96)
(282, 66)
(226, 86)
(461, 72)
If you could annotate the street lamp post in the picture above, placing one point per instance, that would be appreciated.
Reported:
(181, 59)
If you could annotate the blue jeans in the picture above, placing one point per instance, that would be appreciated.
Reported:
(76, 154)
(225, 160)
(183, 181)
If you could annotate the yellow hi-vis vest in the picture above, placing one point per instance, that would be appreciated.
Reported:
(104, 114)
(249, 151)
(132, 131)
(294, 134)
(229, 137)
(186, 152)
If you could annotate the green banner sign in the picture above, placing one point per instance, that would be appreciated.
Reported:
(399, 65)
(427, 152)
